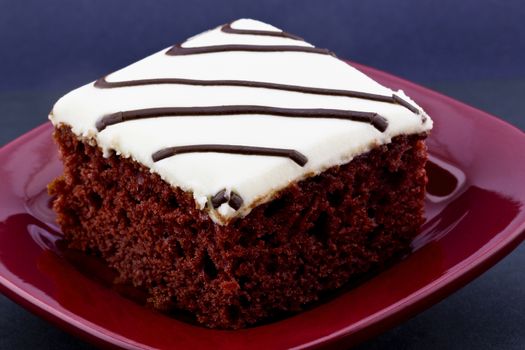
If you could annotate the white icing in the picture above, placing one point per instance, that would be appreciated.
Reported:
(247, 23)
(325, 142)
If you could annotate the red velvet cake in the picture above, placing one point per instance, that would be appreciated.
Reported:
(240, 175)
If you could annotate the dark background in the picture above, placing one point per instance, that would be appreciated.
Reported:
(471, 50)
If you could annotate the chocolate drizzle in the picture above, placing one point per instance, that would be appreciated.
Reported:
(102, 83)
(234, 200)
(374, 119)
(405, 104)
(219, 198)
(227, 28)
(296, 156)
(178, 50)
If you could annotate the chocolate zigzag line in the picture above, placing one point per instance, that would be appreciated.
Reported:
(178, 50)
(296, 156)
(102, 83)
(227, 28)
(377, 121)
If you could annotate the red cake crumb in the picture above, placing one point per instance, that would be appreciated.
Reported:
(313, 237)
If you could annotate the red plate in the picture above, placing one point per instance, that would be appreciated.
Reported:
(475, 217)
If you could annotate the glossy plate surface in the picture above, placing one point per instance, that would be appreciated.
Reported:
(475, 216)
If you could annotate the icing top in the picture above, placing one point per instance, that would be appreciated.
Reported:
(237, 113)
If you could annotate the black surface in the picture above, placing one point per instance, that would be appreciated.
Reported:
(62, 41)
(470, 50)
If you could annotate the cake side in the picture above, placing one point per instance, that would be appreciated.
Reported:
(314, 236)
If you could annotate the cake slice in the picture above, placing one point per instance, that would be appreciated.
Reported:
(240, 174)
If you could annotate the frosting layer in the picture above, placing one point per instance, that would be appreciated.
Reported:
(237, 113)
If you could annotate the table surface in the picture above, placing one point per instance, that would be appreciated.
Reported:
(56, 45)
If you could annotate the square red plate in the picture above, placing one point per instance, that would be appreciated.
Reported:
(475, 216)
